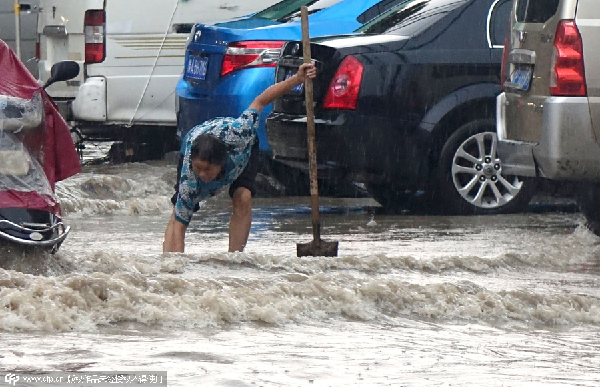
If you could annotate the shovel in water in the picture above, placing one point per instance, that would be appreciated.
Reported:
(317, 247)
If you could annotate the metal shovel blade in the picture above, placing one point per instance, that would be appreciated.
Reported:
(317, 248)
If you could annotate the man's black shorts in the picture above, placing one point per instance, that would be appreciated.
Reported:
(245, 179)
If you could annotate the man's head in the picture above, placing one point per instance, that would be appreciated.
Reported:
(208, 155)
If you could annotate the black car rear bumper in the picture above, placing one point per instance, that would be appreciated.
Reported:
(364, 148)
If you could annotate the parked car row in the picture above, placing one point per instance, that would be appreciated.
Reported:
(412, 96)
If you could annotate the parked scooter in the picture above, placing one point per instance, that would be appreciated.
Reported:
(36, 151)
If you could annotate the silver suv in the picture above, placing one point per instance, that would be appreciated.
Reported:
(548, 117)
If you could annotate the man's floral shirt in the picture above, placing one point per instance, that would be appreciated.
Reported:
(240, 134)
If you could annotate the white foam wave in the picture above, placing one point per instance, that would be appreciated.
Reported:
(383, 263)
(138, 189)
(109, 289)
(149, 205)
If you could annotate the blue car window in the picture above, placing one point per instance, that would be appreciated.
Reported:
(288, 10)
(410, 18)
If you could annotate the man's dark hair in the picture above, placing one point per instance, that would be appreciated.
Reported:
(209, 148)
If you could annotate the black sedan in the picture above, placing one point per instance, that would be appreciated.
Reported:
(407, 106)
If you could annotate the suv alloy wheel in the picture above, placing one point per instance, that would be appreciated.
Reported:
(470, 179)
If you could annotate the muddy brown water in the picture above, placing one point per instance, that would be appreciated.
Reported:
(409, 301)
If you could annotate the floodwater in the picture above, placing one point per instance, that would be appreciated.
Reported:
(409, 300)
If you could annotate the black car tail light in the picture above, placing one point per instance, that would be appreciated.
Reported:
(567, 77)
(345, 85)
(242, 55)
(95, 36)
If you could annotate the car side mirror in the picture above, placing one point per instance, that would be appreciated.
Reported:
(62, 71)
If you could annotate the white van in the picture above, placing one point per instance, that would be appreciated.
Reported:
(131, 54)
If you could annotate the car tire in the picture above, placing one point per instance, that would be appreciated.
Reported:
(588, 199)
(468, 182)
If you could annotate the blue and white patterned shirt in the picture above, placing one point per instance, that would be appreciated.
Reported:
(240, 133)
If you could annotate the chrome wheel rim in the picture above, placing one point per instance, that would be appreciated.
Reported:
(477, 173)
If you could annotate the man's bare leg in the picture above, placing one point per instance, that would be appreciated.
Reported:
(241, 219)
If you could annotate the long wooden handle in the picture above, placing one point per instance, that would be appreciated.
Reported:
(310, 123)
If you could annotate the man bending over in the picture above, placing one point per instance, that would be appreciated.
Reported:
(221, 152)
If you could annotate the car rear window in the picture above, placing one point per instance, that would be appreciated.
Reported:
(536, 11)
(288, 10)
(499, 21)
(411, 17)
(378, 9)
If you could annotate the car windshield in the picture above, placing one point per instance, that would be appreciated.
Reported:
(411, 17)
(288, 10)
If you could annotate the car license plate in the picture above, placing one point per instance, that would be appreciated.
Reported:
(290, 73)
(196, 67)
(521, 78)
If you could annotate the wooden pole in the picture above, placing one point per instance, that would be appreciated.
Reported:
(317, 247)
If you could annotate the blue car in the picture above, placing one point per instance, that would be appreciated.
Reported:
(228, 64)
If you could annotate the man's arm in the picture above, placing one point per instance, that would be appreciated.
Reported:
(277, 90)
(173, 241)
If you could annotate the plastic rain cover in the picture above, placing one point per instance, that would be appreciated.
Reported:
(36, 149)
